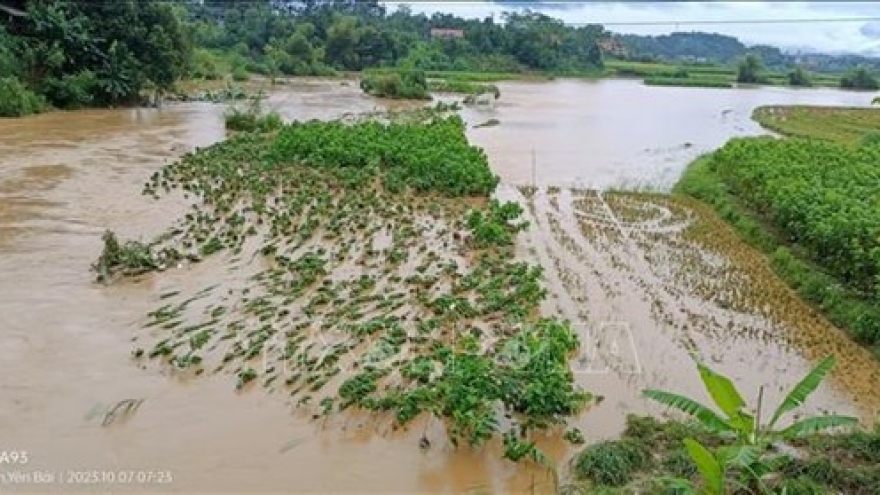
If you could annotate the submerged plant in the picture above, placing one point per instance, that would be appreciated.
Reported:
(128, 259)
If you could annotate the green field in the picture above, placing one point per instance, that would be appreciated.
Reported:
(810, 203)
(842, 125)
(688, 82)
(701, 75)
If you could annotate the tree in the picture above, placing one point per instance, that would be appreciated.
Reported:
(749, 69)
(859, 79)
(82, 53)
(342, 41)
(799, 77)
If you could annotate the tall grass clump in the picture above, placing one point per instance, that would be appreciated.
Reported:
(611, 463)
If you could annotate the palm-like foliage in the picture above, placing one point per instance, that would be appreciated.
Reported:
(749, 453)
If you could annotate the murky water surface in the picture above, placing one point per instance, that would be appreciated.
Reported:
(636, 275)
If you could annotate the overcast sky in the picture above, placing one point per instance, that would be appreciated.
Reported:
(857, 37)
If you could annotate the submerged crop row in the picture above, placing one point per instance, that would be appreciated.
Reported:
(362, 266)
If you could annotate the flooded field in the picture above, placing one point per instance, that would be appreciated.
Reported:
(645, 279)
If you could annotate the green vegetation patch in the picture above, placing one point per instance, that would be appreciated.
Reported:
(16, 100)
(733, 448)
(688, 82)
(838, 124)
(463, 87)
(364, 268)
(431, 157)
(810, 206)
(651, 454)
(403, 85)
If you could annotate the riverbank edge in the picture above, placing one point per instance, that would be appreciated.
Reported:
(823, 292)
(462, 76)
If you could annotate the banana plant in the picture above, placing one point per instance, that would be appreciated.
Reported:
(751, 438)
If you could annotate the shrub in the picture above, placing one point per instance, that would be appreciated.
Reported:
(611, 463)
(240, 74)
(251, 119)
(859, 79)
(72, 91)
(405, 84)
(16, 100)
(798, 77)
(204, 66)
(749, 68)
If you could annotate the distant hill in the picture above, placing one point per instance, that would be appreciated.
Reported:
(704, 47)
(722, 49)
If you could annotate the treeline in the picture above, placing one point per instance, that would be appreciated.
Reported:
(314, 37)
(713, 48)
(77, 53)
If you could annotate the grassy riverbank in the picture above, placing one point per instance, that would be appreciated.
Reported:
(702, 75)
(842, 125)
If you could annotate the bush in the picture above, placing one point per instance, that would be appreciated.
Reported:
(859, 79)
(798, 77)
(251, 119)
(405, 84)
(16, 100)
(855, 311)
(749, 69)
(72, 91)
(611, 463)
(498, 225)
(204, 66)
(240, 74)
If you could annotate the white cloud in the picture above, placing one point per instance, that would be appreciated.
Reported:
(832, 37)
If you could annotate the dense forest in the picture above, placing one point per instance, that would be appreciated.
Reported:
(78, 53)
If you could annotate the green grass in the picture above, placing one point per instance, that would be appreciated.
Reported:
(844, 308)
(462, 87)
(687, 82)
(841, 125)
(611, 463)
(478, 77)
(656, 69)
(665, 74)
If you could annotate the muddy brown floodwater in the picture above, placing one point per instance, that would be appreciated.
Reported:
(647, 280)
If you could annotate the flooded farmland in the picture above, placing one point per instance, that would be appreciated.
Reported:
(645, 279)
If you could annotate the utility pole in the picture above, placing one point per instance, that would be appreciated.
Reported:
(534, 170)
